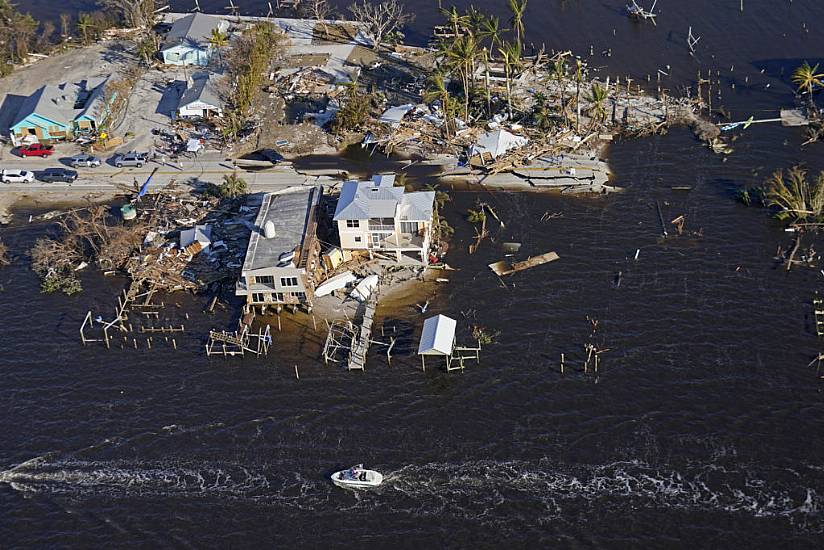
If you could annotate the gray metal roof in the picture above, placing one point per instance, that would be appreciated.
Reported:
(204, 90)
(438, 336)
(417, 206)
(57, 103)
(289, 211)
(193, 30)
(360, 200)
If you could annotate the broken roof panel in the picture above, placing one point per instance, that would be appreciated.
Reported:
(498, 143)
(438, 336)
(394, 115)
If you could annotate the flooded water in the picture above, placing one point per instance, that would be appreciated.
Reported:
(702, 427)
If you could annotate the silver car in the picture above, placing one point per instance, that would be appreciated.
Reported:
(132, 158)
(84, 160)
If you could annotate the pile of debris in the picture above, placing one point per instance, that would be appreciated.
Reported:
(191, 242)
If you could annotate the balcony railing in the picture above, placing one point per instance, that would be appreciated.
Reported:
(380, 227)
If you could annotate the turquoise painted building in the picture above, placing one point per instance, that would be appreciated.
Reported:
(54, 113)
(187, 43)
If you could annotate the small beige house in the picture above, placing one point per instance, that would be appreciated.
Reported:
(379, 218)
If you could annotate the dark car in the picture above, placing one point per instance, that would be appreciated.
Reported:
(57, 174)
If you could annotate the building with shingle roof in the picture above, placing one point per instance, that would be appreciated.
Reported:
(201, 98)
(58, 112)
(187, 42)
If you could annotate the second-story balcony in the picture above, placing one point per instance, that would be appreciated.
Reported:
(382, 224)
(405, 240)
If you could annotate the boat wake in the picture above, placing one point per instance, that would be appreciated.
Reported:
(490, 491)
(129, 479)
(487, 488)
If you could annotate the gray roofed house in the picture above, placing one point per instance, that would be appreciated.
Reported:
(283, 249)
(375, 216)
(187, 43)
(201, 98)
(57, 112)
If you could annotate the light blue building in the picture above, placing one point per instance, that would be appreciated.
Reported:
(60, 112)
(187, 43)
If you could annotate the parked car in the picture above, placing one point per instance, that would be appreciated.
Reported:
(36, 150)
(89, 161)
(57, 174)
(132, 158)
(16, 176)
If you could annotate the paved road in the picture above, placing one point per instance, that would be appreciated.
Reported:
(210, 167)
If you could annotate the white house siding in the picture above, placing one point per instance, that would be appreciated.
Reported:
(198, 109)
(260, 293)
(348, 234)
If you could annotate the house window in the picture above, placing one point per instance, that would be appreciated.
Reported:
(278, 297)
(352, 223)
(257, 297)
(288, 281)
(301, 296)
(265, 280)
(358, 239)
(409, 227)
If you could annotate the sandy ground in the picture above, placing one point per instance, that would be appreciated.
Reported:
(43, 200)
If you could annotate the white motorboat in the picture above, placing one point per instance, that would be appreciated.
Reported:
(357, 477)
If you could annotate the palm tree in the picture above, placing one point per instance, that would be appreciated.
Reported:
(454, 19)
(578, 77)
(511, 54)
(218, 40)
(474, 21)
(437, 91)
(491, 30)
(796, 198)
(517, 7)
(541, 112)
(806, 77)
(84, 24)
(461, 57)
(597, 98)
(559, 73)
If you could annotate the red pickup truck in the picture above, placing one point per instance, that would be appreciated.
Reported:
(36, 150)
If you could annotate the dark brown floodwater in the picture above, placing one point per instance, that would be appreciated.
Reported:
(704, 427)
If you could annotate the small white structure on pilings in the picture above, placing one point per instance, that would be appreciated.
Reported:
(438, 338)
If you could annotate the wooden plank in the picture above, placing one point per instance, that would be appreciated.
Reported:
(505, 268)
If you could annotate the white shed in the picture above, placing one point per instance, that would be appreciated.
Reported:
(438, 338)
(198, 233)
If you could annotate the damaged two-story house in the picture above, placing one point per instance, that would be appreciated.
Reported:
(283, 250)
(376, 218)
